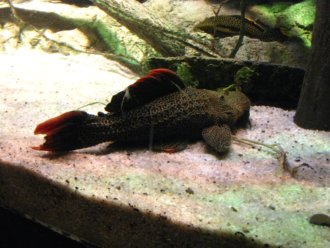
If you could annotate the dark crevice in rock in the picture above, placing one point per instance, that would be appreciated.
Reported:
(271, 84)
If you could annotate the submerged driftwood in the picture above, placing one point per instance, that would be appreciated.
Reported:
(41, 28)
(268, 83)
(313, 110)
(164, 37)
(159, 33)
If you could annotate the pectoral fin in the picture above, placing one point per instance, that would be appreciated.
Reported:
(218, 137)
(170, 146)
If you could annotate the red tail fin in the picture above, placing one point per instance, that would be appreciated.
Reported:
(60, 131)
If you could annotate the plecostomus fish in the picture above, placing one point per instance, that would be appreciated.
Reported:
(157, 108)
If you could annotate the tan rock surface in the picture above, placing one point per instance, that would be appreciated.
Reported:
(138, 197)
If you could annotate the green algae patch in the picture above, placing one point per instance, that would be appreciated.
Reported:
(183, 70)
(244, 76)
(276, 215)
(109, 37)
(303, 13)
(297, 21)
(294, 20)
(267, 12)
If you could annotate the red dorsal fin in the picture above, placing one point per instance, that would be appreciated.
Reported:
(52, 124)
(157, 83)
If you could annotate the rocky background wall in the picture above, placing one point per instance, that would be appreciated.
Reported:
(70, 26)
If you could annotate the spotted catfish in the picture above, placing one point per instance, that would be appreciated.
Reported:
(168, 113)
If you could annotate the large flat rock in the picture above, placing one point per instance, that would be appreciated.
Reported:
(139, 198)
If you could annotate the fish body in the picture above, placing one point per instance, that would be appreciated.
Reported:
(229, 25)
(78, 3)
(184, 114)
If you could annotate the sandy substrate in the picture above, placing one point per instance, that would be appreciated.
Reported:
(137, 196)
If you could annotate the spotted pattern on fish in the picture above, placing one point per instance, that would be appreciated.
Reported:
(230, 25)
(181, 114)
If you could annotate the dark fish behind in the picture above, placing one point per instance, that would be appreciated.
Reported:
(156, 83)
(230, 25)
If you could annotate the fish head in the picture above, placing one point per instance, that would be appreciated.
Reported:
(239, 103)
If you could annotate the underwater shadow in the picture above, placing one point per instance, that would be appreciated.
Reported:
(104, 223)
(131, 147)
(117, 147)
(220, 156)
(55, 155)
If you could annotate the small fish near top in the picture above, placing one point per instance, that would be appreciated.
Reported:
(230, 25)
(78, 3)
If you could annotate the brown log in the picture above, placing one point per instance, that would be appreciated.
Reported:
(163, 36)
(271, 84)
(313, 110)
